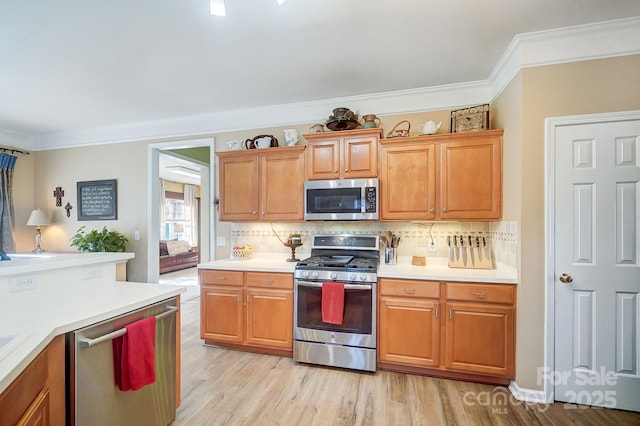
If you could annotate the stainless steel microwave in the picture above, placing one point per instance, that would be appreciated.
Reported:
(342, 199)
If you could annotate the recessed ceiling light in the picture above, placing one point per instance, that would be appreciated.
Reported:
(216, 7)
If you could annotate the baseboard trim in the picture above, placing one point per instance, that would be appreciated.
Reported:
(528, 395)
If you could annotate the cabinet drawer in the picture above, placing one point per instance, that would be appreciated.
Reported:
(266, 280)
(392, 287)
(492, 293)
(217, 277)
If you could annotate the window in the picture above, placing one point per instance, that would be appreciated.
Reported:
(178, 221)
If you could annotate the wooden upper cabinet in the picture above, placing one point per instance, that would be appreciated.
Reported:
(442, 177)
(349, 154)
(262, 184)
(239, 176)
(471, 177)
(408, 181)
(282, 186)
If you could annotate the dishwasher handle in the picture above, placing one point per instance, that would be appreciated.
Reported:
(87, 343)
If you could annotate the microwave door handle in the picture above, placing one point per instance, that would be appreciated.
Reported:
(346, 286)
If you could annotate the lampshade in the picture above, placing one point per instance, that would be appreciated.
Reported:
(38, 218)
(178, 228)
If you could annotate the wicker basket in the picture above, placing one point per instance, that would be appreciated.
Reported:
(395, 132)
(241, 253)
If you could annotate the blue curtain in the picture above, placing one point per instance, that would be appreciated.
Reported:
(7, 165)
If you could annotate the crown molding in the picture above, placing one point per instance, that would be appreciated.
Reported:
(572, 44)
(578, 43)
(386, 103)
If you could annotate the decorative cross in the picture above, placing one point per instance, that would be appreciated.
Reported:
(58, 194)
(68, 209)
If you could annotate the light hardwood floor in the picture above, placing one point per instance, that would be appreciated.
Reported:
(226, 387)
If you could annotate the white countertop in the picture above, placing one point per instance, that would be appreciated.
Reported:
(26, 263)
(259, 262)
(435, 270)
(57, 308)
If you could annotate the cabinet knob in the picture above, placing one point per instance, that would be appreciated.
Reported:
(432, 210)
(335, 171)
(444, 210)
(346, 170)
(253, 212)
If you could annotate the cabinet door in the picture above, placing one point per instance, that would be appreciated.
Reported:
(359, 157)
(239, 198)
(323, 159)
(408, 182)
(38, 412)
(471, 178)
(480, 339)
(409, 331)
(221, 314)
(282, 186)
(270, 318)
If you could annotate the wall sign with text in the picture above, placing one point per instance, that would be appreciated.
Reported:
(98, 200)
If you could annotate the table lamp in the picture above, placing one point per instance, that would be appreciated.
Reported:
(38, 218)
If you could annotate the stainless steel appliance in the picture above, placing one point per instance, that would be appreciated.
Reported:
(342, 199)
(96, 399)
(352, 260)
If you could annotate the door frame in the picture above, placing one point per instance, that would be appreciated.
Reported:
(153, 199)
(551, 124)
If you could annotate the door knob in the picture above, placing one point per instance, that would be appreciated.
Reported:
(566, 278)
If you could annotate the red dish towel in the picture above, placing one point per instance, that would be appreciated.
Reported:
(332, 302)
(134, 355)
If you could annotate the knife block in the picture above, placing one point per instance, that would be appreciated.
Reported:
(475, 256)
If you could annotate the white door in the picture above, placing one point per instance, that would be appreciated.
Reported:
(597, 265)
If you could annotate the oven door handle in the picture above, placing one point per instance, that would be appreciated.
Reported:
(346, 286)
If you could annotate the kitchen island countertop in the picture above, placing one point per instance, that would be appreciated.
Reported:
(435, 270)
(29, 263)
(36, 316)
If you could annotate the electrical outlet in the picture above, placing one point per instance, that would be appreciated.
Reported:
(433, 247)
(220, 241)
(25, 282)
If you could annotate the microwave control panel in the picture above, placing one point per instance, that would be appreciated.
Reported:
(371, 199)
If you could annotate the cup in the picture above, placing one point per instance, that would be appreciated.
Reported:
(390, 256)
(233, 145)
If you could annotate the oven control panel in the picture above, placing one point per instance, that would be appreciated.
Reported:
(316, 275)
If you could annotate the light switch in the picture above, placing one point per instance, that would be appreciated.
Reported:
(220, 241)
(136, 235)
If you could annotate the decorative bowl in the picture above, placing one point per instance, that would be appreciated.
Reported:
(241, 253)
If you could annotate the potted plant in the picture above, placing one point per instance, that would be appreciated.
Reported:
(95, 241)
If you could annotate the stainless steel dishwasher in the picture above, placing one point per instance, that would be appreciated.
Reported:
(94, 397)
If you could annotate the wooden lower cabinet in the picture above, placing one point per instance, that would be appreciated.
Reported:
(457, 330)
(480, 339)
(247, 310)
(37, 395)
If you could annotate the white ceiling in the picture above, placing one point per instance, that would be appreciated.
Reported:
(67, 65)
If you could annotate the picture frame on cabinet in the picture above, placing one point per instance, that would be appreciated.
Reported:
(470, 119)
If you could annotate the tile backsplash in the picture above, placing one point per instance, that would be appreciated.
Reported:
(415, 236)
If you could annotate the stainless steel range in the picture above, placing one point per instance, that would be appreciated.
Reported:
(351, 260)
